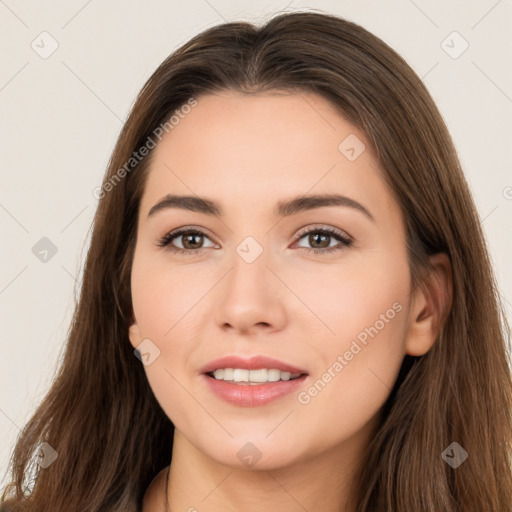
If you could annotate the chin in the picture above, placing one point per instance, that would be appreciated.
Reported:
(252, 452)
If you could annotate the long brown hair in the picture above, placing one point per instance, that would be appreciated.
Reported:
(100, 415)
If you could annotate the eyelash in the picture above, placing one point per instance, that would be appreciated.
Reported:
(346, 242)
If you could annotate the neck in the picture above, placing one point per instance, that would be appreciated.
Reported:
(324, 482)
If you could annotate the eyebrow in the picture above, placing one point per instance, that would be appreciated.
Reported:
(283, 208)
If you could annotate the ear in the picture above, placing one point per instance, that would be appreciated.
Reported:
(134, 334)
(430, 306)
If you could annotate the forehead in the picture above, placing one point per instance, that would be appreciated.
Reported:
(259, 149)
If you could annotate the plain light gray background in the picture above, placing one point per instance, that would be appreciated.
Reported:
(62, 114)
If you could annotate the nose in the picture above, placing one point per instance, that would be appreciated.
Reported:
(251, 296)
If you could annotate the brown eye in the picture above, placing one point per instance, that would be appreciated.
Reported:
(192, 240)
(320, 238)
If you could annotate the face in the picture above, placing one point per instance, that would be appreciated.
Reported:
(321, 289)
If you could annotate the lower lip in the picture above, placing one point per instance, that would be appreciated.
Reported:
(253, 395)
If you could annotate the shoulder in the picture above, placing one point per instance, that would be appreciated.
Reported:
(154, 496)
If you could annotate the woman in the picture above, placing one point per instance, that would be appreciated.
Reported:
(366, 370)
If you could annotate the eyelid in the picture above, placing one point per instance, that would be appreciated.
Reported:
(323, 227)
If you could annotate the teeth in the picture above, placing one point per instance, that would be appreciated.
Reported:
(273, 375)
(259, 376)
(219, 374)
(240, 375)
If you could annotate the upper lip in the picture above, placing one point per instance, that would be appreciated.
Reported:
(251, 363)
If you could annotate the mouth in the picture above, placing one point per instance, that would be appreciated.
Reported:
(252, 382)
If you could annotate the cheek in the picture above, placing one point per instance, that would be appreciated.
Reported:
(163, 305)
(359, 361)
(164, 296)
(345, 396)
(362, 299)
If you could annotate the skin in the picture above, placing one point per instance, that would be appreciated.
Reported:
(247, 152)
